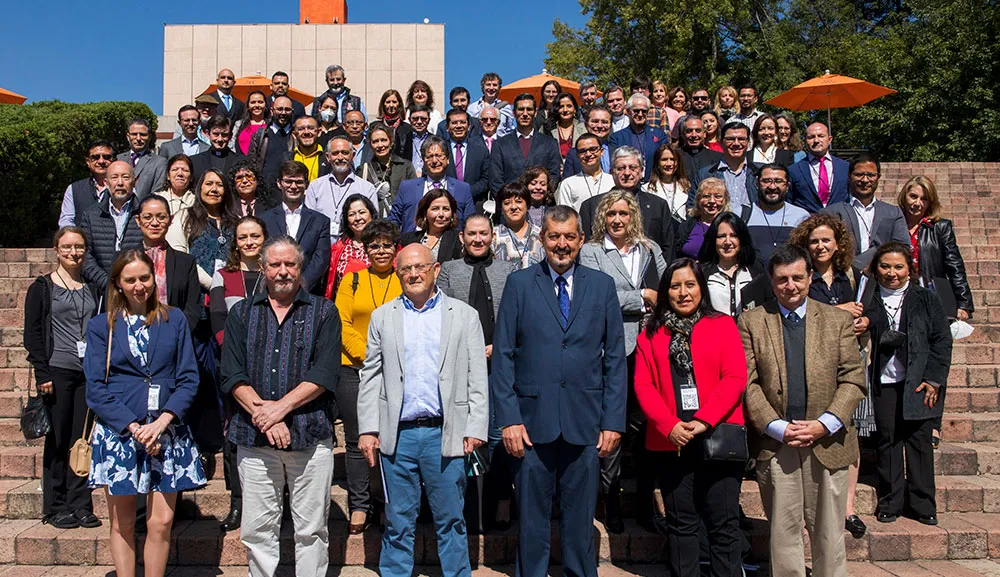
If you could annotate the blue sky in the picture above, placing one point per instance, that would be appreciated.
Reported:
(83, 51)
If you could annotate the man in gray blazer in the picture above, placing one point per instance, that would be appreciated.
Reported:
(149, 169)
(424, 420)
(189, 143)
(871, 222)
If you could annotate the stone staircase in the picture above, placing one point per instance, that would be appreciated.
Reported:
(967, 464)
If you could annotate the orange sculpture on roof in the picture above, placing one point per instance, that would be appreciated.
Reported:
(322, 11)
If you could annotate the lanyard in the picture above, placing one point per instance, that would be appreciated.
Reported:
(72, 300)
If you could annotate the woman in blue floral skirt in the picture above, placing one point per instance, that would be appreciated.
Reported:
(141, 379)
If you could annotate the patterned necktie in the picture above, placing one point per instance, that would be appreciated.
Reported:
(459, 170)
(563, 300)
(824, 183)
(436, 184)
(793, 317)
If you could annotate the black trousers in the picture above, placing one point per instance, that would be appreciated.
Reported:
(894, 436)
(62, 490)
(359, 496)
(697, 492)
(230, 465)
(635, 438)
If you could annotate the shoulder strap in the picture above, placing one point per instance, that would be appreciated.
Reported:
(850, 277)
(745, 212)
(354, 283)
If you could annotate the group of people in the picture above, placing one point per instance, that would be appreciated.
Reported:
(531, 294)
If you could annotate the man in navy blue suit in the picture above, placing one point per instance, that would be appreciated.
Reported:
(559, 388)
(435, 155)
(524, 147)
(468, 157)
(309, 228)
(820, 179)
(645, 139)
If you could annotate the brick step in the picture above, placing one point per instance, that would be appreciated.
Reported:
(967, 459)
(971, 400)
(974, 376)
(973, 353)
(977, 427)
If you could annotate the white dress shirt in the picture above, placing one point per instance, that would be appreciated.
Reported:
(630, 258)
(866, 218)
(292, 220)
(568, 275)
(814, 170)
(892, 300)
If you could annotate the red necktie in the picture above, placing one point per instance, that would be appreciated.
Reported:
(824, 183)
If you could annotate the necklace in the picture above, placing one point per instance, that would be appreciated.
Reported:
(371, 287)
(774, 240)
(586, 180)
(255, 284)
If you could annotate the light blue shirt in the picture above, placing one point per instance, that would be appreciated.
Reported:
(421, 359)
(507, 122)
(121, 220)
(340, 106)
(416, 158)
(605, 159)
(736, 184)
(776, 428)
(191, 147)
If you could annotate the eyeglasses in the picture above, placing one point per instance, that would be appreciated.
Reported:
(297, 182)
(247, 177)
(96, 157)
(865, 175)
(590, 150)
(488, 119)
(69, 248)
(699, 98)
(642, 111)
(377, 246)
(148, 218)
(773, 181)
(417, 268)
(419, 119)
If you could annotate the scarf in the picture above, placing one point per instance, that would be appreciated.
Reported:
(480, 295)
(680, 341)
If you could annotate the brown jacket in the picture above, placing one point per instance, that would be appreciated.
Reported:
(835, 379)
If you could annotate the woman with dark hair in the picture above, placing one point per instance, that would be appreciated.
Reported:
(328, 116)
(255, 117)
(911, 357)
(729, 262)
(516, 238)
(562, 123)
(619, 248)
(546, 113)
(678, 100)
(348, 254)
(252, 197)
(177, 186)
(713, 139)
(385, 169)
(357, 297)
(541, 192)
(788, 136)
(57, 308)
(390, 109)
(142, 378)
(765, 144)
(206, 229)
(421, 93)
(690, 375)
(668, 181)
(711, 200)
(437, 226)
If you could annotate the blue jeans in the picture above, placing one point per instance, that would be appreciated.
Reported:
(418, 458)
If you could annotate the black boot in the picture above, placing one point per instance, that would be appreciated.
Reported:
(232, 520)
(613, 510)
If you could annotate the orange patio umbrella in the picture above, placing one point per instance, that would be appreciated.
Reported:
(533, 85)
(830, 91)
(247, 84)
(8, 97)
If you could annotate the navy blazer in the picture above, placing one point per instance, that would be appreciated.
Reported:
(404, 208)
(802, 192)
(477, 166)
(314, 238)
(653, 136)
(507, 164)
(568, 382)
(122, 397)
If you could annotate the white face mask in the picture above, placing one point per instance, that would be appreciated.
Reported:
(327, 115)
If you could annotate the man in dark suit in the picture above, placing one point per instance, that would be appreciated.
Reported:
(694, 153)
(219, 156)
(735, 169)
(523, 148)
(458, 99)
(871, 221)
(109, 226)
(820, 179)
(597, 120)
(188, 142)
(559, 387)
(149, 170)
(435, 156)
(309, 228)
(645, 139)
(279, 87)
(659, 226)
(229, 106)
(468, 158)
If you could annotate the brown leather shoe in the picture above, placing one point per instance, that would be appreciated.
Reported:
(356, 528)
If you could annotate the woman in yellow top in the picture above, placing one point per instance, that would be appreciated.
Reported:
(359, 294)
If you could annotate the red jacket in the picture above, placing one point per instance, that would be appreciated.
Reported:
(720, 373)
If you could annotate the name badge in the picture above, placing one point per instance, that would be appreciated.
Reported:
(689, 399)
(81, 348)
(153, 402)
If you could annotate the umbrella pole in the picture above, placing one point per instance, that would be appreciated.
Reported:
(829, 121)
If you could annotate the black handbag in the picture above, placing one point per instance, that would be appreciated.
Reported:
(727, 442)
(36, 421)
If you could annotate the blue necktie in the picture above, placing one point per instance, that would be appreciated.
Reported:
(793, 317)
(563, 300)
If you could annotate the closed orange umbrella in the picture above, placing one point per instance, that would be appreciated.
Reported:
(533, 85)
(8, 97)
(247, 84)
(830, 91)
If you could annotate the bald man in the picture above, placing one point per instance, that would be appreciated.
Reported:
(109, 224)
(820, 179)
(422, 422)
(229, 106)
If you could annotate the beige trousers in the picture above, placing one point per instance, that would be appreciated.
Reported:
(264, 472)
(795, 488)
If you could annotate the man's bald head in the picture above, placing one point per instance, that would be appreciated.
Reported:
(120, 179)
(417, 271)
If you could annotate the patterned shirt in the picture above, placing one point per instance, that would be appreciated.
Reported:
(506, 246)
(274, 358)
(158, 254)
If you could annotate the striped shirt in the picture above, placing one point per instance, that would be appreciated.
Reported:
(274, 358)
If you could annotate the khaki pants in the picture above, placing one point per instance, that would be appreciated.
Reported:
(264, 472)
(796, 488)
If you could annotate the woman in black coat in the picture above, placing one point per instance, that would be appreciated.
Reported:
(437, 226)
(911, 357)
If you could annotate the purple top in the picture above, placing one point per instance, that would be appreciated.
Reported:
(692, 246)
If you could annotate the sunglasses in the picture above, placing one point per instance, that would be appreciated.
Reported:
(100, 157)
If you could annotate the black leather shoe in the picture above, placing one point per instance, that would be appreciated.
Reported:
(64, 520)
(613, 513)
(887, 518)
(232, 520)
(855, 526)
(929, 520)
(87, 519)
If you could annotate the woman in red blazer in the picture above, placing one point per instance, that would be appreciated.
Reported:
(690, 375)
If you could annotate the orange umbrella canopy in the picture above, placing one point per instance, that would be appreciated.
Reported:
(8, 97)
(247, 84)
(533, 85)
(830, 91)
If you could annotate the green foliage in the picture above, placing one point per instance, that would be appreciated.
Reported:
(943, 58)
(42, 149)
